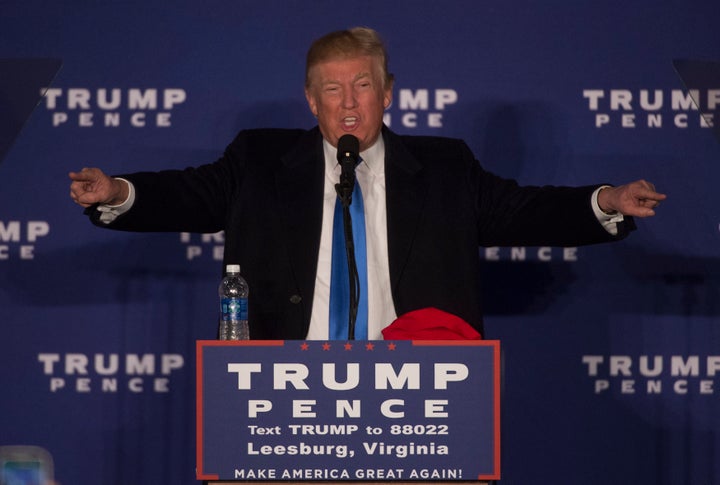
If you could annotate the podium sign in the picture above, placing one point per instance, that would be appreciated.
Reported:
(360, 410)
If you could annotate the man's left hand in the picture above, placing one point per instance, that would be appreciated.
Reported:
(637, 199)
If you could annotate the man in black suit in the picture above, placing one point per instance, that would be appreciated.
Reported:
(428, 204)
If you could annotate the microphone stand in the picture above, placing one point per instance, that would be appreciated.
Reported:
(344, 191)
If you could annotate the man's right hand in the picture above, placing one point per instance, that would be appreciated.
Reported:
(91, 186)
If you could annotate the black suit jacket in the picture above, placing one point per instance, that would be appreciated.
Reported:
(266, 193)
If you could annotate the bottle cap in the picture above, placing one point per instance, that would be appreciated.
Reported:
(232, 268)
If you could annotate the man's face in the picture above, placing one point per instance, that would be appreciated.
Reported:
(348, 96)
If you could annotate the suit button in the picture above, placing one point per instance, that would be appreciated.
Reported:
(295, 299)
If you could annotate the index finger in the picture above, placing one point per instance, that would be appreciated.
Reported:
(646, 190)
(652, 195)
(83, 175)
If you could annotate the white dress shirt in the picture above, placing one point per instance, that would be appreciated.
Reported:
(370, 174)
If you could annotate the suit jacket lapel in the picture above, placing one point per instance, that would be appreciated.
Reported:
(405, 195)
(300, 179)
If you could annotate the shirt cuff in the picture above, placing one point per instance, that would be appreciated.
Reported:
(608, 221)
(111, 212)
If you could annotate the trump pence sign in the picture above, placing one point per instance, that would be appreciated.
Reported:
(358, 410)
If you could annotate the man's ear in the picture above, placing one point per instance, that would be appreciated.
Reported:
(388, 95)
(312, 104)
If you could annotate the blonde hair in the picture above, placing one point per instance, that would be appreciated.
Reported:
(346, 44)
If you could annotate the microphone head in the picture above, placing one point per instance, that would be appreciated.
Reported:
(348, 147)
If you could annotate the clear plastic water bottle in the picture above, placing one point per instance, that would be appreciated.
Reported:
(233, 292)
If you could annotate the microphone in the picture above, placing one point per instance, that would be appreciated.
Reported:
(348, 155)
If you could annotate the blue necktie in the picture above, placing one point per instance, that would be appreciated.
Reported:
(339, 284)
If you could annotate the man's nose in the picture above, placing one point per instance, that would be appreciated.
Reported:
(349, 100)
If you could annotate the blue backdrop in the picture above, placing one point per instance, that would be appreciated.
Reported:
(611, 353)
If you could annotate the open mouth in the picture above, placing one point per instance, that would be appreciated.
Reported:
(350, 122)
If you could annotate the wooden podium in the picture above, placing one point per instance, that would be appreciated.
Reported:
(361, 411)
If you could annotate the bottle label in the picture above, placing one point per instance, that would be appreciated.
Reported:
(234, 309)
